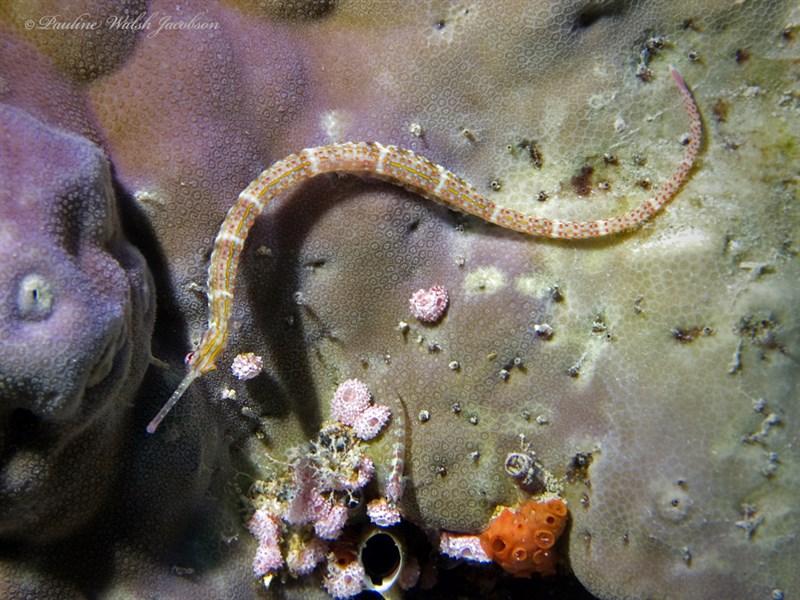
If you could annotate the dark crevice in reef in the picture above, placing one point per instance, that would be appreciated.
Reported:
(169, 318)
(593, 13)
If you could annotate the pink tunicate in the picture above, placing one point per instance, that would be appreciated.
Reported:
(382, 513)
(351, 398)
(330, 526)
(370, 422)
(263, 525)
(429, 305)
(247, 366)
(268, 558)
(343, 580)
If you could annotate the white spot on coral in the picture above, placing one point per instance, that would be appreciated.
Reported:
(150, 200)
(681, 241)
(484, 280)
(533, 285)
(335, 124)
(35, 298)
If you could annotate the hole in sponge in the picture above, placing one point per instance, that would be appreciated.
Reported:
(380, 557)
(544, 538)
(520, 554)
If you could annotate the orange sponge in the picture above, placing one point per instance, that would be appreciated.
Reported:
(521, 541)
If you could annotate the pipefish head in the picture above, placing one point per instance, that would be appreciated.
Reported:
(187, 380)
(199, 362)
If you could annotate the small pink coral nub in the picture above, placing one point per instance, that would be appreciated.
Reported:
(264, 527)
(382, 513)
(365, 470)
(462, 547)
(350, 400)
(352, 406)
(370, 422)
(345, 575)
(246, 366)
(429, 305)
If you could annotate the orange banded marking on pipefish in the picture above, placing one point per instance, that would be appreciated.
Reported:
(279, 179)
(408, 169)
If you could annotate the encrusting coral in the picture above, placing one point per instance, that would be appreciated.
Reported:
(417, 174)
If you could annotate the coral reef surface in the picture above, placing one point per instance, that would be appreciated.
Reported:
(649, 379)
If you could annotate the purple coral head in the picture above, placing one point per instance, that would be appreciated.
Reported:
(76, 318)
(65, 313)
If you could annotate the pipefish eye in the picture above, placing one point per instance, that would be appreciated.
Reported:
(189, 359)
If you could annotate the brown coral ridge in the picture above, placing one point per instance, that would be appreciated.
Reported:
(521, 541)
